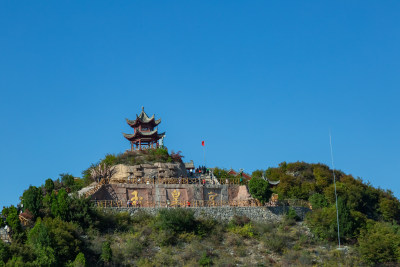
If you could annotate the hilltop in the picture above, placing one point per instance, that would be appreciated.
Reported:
(60, 228)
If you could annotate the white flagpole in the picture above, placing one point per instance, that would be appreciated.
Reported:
(334, 181)
(204, 149)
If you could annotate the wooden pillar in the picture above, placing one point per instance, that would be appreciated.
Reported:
(140, 144)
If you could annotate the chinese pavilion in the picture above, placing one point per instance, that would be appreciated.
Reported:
(145, 136)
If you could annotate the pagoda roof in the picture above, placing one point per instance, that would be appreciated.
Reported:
(138, 134)
(143, 118)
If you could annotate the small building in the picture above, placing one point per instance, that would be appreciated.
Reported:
(189, 165)
(145, 134)
(243, 174)
(26, 217)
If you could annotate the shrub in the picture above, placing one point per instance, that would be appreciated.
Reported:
(292, 215)
(239, 220)
(390, 209)
(79, 261)
(133, 248)
(322, 223)
(123, 220)
(277, 243)
(244, 231)
(176, 220)
(318, 201)
(106, 253)
(263, 228)
(380, 243)
(205, 260)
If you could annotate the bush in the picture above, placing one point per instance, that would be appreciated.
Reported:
(244, 231)
(318, 201)
(322, 223)
(258, 189)
(205, 260)
(292, 215)
(106, 253)
(239, 220)
(49, 186)
(79, 261)
(277, 243)
(380, 243)
(176, 220)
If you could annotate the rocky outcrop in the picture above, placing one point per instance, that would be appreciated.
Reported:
(149, 170)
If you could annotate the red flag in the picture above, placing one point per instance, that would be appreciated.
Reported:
(202, 143)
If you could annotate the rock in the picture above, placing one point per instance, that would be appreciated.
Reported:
(159, 170)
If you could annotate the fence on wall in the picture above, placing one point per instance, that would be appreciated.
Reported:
(200, 203)
(231, 181)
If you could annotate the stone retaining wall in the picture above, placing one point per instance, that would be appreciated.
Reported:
(260, 214)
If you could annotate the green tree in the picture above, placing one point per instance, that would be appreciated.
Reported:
(109, 159)
(32, 200)
(60, 205)
(64, 238)
(275, 174)
(390, 209)
(48, 201)
(318, 201)
(380, 243)
(49, 186)
(322, 223)
(67, 179)
(346, 222)
(45, 257)
(39, 239)
(4, 252)
(257, 174)
(12, 220)
(39, 235)
(81, 212)
(259, 189)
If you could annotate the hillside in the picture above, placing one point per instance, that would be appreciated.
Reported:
(64, 230)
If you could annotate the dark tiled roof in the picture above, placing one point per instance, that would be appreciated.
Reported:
(145, 134)
(143, 118)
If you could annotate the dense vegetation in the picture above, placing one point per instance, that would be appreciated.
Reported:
(67, 231)
(368, 217)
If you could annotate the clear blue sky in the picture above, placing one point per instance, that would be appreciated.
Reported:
(260, 81)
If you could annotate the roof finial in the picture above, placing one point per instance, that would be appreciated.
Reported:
(142, 108)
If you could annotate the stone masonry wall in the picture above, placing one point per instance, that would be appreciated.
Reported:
(259, 214)
(162, 192)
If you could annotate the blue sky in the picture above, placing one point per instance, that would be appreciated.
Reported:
(260, 81)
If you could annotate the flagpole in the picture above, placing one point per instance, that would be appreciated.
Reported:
(205, 163)
(204, 150)
(334, 182)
